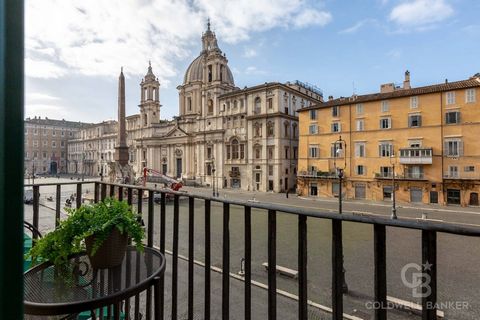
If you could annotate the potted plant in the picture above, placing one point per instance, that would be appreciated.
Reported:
(101, 229)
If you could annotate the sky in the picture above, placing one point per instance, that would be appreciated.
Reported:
(74, 49)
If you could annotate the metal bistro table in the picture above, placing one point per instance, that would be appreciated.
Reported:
(92, 293)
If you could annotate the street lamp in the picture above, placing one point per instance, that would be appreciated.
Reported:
(394, 207)
(213, 172)
(340, 147)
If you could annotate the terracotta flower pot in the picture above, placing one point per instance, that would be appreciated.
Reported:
(110, 253)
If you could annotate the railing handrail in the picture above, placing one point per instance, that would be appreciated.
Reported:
(419, 224)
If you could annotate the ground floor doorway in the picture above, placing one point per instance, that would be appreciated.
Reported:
(433, 196)
(453, 196)
(416, 195)
(360, 191)
(473, 199)
(313, 189)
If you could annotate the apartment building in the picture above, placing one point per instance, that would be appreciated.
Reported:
(46, 145)
(424, 137)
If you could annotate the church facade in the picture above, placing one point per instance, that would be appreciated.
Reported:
(227, 136)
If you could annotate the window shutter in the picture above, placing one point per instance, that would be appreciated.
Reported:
(380, 150)
(445, 148)
(460, 148)
(339, 127)
(458, 117)
(419, 121)
(380, 124)
(410, 121)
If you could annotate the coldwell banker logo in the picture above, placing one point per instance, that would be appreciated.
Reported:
(419, 281)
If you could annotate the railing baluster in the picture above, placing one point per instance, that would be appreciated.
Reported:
(139, 200)
(79, 195)
(380, 272)
(137, 279)
(112, 191)
(248, 263)
(207, 260)
(157, 293)
(128, 271)
(175, 257)
(226, 263)
(337, 270)
(58, 199)
(272, 265)
(36, 206)
(302, 268)
(191, 208)
(150, 244)
(120, 193)
(161, 298)
(429, 264)
(96, 190)
(129, 196)
(104, 191)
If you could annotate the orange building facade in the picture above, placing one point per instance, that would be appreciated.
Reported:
(424, 137)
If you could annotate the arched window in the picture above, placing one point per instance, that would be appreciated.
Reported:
(154, 94)
(210, 106)
(270, 129)
(257, 105)
(294, 130)
(286, 126)
(146, 94)
(210, 73)
(234, 149)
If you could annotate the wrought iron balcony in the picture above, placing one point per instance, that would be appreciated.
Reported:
(416, 156)
(404, 176)
(317, 174)
(461, 175)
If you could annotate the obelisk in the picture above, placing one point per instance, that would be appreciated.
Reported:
(121, 150)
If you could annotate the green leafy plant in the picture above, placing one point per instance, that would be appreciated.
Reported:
(97, 219)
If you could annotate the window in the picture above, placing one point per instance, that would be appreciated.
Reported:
(286, 127)
(453, 147)
(385, 106)
(62, 143)
(287, 151)
(452, 171)
(360, 124)
(35, 131)
(54, 144)
(234, 149)
(294, 131)
(270, 153)
(242, 151)
(44, 155)
(44, 143)
(360, 170)
(270, 170)
(313, 151)
(386, 123)
(335, 111)
(336, 150)
(313, 129)
(452, 117)
(414, 102)
(469, 169)
(257, 105)
(210, 73)
(209, 169)
(360, 149)
(414, 121)
(54, 133)
(470, 95)
(386, 172)
(385, 149)
(229, 154)
(359, 108)
(270, 129)
(258, 151)
(270, 103)
(35, 143)
(210, 106)
(336, 127)
(313, 114)
(450, 97)
(209, 152)
(295, 152)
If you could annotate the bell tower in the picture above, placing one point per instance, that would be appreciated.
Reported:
(149, 98)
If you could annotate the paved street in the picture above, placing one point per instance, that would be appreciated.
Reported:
(458, 257)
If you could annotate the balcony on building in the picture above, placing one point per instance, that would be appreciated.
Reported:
(456, 175)
(401, 176)
(317, 174)
(416, 155)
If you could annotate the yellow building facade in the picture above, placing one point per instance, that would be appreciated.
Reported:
(424, 138)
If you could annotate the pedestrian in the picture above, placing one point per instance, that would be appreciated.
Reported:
(287, 194)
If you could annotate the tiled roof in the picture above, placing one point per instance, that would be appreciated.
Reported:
(447, 86)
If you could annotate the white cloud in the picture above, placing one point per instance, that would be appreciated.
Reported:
(420, 13)
(94, 37)
(249, 53)
(39, 96)
(43, 69)
(357, 26)
(252, 70)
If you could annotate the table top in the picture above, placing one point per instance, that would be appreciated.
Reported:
(48, 290)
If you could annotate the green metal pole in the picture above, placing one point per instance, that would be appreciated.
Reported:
(11, 159)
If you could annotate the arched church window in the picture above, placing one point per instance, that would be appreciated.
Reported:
(189, 103)
(234, 149)
(154, 94)
(146, 94)
(270, 129)
(210, 106)
(210, 73)
(257, 105)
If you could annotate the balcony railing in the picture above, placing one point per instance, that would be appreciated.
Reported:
(404, 176)
(462, 175)
(317, 174)
(416, 156)
(428, 246)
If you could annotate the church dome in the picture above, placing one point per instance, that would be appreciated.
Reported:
(195, 71)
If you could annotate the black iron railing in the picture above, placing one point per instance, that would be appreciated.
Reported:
(429, 230)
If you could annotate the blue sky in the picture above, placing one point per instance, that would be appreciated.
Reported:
(74, 49)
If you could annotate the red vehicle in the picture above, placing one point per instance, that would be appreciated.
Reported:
(168, 182)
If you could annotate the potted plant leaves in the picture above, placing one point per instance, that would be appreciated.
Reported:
(101, 229)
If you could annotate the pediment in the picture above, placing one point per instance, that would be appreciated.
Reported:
(176, 132)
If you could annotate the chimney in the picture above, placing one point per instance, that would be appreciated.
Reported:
(406, 82)
(330, 98)
(446, 80)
